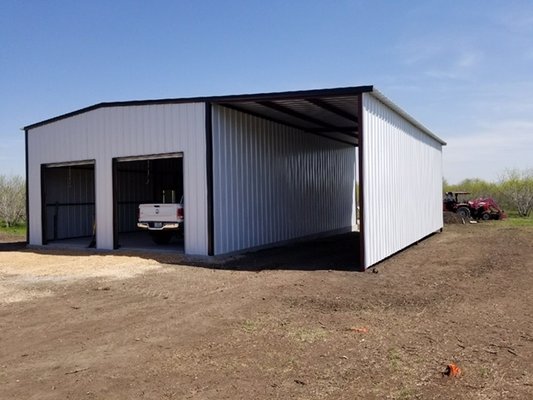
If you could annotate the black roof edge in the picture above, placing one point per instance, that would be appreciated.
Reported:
(303, 94)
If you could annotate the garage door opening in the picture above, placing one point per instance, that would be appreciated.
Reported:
(68, 204)
(147, 180)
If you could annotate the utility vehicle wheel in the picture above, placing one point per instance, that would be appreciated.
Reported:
(463, 212)
(161, 237)
(485, 216)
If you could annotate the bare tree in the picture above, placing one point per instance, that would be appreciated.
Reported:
(517, 187)
(12, 200)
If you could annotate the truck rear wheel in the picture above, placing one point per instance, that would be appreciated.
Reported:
(161, 237)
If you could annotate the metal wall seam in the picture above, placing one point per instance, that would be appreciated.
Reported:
(275, 183)
(402, 168)
(27, 200)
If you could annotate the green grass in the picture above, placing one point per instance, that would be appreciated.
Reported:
(394, 359)
(249, 326)
(515, 221)
(16, 230)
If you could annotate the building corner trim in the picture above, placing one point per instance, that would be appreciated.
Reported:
(209, 178)
(27, 188)
(362, 262)
(44, 239)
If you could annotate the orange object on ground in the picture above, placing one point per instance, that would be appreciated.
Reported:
(453, 370)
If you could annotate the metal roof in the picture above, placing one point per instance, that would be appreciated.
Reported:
(327, 112)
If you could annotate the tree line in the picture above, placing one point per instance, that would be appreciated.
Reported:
(513, 191)
(12, 200)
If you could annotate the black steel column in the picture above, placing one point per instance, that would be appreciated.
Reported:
(209, 172)
(361, 184)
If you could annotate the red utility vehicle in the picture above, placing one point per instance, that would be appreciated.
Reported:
(480, 208)
(486, 208)
(456, 202)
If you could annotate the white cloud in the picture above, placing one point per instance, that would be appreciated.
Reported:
(468, 59)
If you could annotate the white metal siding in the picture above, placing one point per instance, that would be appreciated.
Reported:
(402, 175)
(274, 183)
(106, 133)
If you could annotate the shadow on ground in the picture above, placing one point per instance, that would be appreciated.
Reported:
(12, 246)
(340, 252)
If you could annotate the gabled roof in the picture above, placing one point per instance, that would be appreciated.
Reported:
(326, 112)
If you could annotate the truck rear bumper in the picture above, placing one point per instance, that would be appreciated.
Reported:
(158, 226)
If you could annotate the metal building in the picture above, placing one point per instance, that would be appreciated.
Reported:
(255, 170)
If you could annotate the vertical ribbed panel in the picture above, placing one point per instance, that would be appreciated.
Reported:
(134, 187)
(402, 174)
(274, 183)
(69, 202)
(106, 133)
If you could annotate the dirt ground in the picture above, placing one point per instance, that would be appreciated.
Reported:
(291, 323)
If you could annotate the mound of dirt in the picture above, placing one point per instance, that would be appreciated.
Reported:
(452, 218)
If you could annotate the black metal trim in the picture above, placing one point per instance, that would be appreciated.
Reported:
(114, 168)
(298, 94)
(361, 186)
(27, 187)
(84, 167)
(151, 157)
(209, 178)
(301, 94)
(81, 164)
(44, 239)
(333, 109)
(268, 118)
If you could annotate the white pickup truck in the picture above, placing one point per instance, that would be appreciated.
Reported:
(162, 220)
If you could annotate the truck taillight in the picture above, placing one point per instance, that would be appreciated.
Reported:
(179, 212)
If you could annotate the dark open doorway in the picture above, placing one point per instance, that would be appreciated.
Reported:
(145, 180)
(68, 203)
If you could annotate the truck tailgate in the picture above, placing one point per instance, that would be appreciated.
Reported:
(159, 212)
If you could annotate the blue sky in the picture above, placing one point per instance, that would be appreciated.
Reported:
(462, 68)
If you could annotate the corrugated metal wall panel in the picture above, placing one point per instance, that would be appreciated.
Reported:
(106, 133)
(134, 187)
(402, 174)
(69, 201)
(274, 183)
